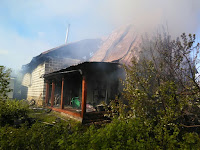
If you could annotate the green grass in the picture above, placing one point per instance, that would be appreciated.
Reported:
(51, 117)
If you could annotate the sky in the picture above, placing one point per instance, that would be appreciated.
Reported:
(29, 27)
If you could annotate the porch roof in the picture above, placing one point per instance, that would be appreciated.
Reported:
(84, 68)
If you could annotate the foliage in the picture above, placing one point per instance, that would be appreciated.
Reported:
(162, 87)
(120, 134)
(191, 141)
(4, 82)
(39, 136)
(117, 135)
(12, 110)
(117, 109)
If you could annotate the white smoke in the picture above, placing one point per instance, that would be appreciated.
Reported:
(177, 15)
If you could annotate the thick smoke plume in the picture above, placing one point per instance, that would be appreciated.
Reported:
(147, 15)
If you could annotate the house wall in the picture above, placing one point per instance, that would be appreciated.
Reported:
(26, 79)
(57, 63)
(24, 85)
(53, 65)
(33, 84)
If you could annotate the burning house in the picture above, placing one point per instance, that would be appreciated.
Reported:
(33, 86)
(91, 73)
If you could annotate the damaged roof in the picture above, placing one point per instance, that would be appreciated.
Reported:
(83, 67)
(81, 50)
(120, 46)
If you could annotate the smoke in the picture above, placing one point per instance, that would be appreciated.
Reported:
(147, 15)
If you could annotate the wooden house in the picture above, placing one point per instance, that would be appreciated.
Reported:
(33, 86)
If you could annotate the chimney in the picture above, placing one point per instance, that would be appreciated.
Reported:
(67, 33)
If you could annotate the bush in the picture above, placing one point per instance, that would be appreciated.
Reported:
(4, 82)
(12, 110)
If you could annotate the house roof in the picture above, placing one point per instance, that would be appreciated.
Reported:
(82, 68)
(120, 46)
(80, 50)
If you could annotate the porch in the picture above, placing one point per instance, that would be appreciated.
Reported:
(79, 90)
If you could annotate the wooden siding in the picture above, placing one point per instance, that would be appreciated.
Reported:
(56, 63)
(33, 86)
(26, 79)
(34, 83)
(53, 65)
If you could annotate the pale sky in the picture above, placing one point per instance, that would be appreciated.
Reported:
(29, 27)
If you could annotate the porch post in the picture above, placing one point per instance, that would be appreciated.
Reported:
(84, 97)
(52, 93)
(47, 92)
(61, 101)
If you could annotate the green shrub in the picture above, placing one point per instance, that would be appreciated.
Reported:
(4, 82)
(12, 110)
(190, 141)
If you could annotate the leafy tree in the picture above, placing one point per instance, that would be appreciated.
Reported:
(4, 82)
(10, 110)
(162, 86)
